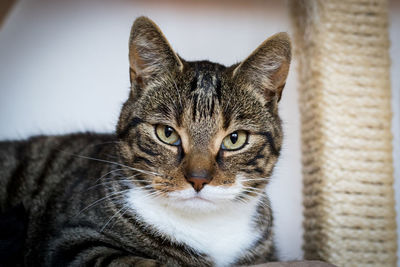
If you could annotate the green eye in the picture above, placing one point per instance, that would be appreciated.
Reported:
(168, 135)
(234, 141)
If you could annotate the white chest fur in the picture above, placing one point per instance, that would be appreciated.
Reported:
(223, 235)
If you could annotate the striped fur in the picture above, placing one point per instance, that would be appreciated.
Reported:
(124, 199)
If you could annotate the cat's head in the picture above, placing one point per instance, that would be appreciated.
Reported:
(198, 134)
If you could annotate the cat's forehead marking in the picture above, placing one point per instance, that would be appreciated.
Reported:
(205, 90)
(202, 117)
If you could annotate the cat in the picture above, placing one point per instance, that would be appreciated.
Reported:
(180, 183)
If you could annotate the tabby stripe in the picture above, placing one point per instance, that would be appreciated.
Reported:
(16, 177)
(193, 84)
(178, 108)
(67, 254)
(134, 123)
(142, 159)
(250, 171)
(259, 170)
(52, 196)
(181, 154)
(69, 191)
(227, 117)
(164, 109)
(265, 235)
(212, 107)
(271, 142)
(258, 155)
(246, 170)
(50, 162)
(219, 158)
(203, 113)
(256, 184)
(104, 260)
(245, 193)
(108, 260)
(206, 82)
(65, 183)
(218, 89)
(253, 161)
(194, 110)
(146, 150)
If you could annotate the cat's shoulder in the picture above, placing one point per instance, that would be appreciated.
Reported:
(40, 145)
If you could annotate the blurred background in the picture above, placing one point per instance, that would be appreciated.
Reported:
(64, 68)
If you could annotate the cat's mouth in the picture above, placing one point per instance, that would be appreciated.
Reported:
(197, 198)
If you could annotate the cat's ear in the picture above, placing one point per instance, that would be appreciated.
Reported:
(267, 67)
(150, 54)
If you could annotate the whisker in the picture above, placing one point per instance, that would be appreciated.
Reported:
(263, 203)
(102, 199)
(116, 181)
(121, 178)
(125, 177)
(109, 220)
(255, 179)
(112, 171)
(152, 194)
(244, 199)
(255, 192)
(254, 189)
(120, 216)
(119, 164)
(151, 185)
(103, 143)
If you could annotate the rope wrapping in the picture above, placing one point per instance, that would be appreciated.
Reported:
(342, 49)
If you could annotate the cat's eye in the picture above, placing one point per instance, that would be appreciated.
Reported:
(168, 135)
(234, 141)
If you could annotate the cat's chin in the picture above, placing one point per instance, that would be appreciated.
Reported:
(195, 204)
(182, 201)
(210, 199)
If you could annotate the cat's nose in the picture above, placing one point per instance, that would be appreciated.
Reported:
(198, 179)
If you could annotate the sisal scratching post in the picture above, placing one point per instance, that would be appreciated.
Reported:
(342, 47)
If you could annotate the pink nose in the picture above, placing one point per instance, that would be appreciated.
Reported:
(198, 183)
(198, 178)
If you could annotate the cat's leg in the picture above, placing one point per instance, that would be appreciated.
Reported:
(83, 246)
(116, 260)
(99, 256)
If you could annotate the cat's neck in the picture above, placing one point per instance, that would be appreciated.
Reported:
(223, 234)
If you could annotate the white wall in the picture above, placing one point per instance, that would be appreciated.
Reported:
(64, 68)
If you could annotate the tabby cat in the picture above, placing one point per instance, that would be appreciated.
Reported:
(182, 181)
